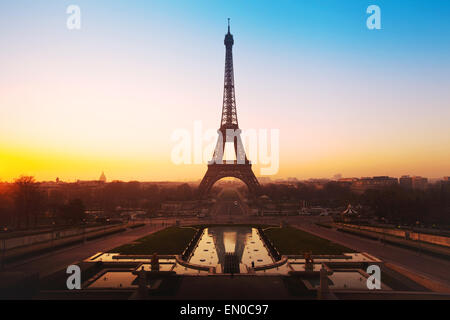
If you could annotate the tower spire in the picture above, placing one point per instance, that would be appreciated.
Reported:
(229, 116)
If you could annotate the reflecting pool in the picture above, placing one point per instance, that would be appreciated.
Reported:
(244, 242)
(114, 279)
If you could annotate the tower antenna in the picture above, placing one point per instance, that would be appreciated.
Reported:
(228, 25)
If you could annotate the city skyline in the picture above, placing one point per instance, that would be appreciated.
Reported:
(263, 179)
(356, 102)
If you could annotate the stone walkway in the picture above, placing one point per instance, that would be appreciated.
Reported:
(51, 262)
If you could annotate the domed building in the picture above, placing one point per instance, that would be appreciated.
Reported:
(102, 177)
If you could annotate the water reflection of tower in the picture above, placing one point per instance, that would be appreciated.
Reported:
(231, 240)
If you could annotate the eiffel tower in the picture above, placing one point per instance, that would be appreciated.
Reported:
(229, 131)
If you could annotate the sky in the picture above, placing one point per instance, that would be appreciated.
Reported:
(108, 97)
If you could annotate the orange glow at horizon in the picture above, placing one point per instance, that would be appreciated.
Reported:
(50, 164)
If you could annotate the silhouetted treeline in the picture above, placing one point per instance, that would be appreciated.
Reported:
(397, 204)
(135, 195)
(25, 202)
(22, 203)
(331, 195)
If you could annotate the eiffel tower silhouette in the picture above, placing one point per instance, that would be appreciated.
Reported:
(229, 131)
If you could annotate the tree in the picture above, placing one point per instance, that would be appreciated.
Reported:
(55, 201)
(28, 200)
(73, 212)
(6, 209)
(184, 192)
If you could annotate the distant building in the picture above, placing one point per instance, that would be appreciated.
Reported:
(50, 186)
(419, 183)
(179, 208)
(445, 183)
(316, 183)
(367, 183)
(264, 180)
(347, 182)
(89, 183)
(415, 182)
(102, 177)
(406, 182)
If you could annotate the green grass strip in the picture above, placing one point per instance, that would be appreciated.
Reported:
(290, 240)
(172, 240)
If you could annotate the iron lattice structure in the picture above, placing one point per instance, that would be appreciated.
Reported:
(229, 131)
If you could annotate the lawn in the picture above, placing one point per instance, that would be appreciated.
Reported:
(172, 240)
(290, 240)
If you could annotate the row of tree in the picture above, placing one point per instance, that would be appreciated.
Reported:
(24, 202)
(395, 203)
